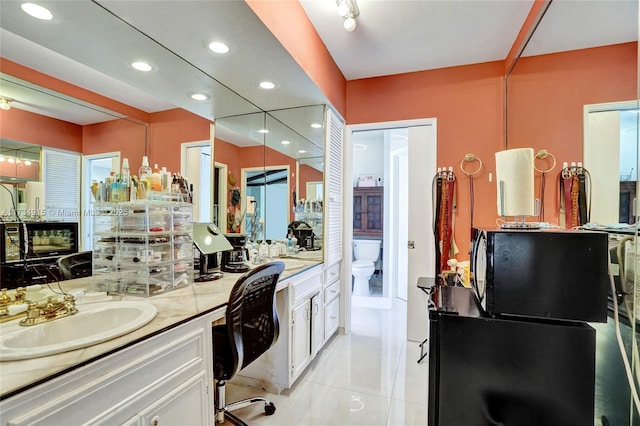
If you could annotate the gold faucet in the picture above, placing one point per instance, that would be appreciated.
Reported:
(7, 304)
(51, 310)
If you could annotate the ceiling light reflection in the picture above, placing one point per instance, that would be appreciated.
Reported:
(37, 11)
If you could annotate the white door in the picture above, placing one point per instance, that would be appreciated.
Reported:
(196, 168)
(421, 258)
(402, 261)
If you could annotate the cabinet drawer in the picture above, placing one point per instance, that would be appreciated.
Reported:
(305, 289)
(331, 292)
(332, 273)
(331, 318)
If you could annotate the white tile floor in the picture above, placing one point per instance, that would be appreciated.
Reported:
(370, 377)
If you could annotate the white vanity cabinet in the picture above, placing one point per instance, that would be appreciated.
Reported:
(301, 334)
(166, 379)
(331, 296)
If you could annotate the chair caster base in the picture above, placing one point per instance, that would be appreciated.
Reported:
(269, 408)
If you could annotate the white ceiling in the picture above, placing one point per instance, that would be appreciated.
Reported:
(91, 43)
(399, 36)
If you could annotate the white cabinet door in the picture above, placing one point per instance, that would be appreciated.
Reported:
(317, 324)
(300, 338)
(182, 405)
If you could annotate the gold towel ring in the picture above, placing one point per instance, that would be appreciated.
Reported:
(470, 158)
(542, 154)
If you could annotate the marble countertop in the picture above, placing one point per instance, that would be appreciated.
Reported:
(173, 307)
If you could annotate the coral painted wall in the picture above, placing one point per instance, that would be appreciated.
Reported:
(546, 98)
(117, 135)
(468, 104)
(307, 174)
(24, 126)
(545, 104)
(168, 130)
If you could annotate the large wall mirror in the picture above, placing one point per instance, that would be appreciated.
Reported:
(274, 171)
(566, 76)
(37, 123)
(170, 117)
(579, 101)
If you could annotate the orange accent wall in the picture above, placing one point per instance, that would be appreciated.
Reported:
(24, 126)
(546, 96)
(169, 130)
(467, 102)
(116, 135)
(288, 22)
(21, 170)
(307, 174)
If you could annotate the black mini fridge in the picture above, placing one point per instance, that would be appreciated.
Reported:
(518, 350)
(490, 371)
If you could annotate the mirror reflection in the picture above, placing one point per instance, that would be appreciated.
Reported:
(84, 139)
(552, 97)
(270, 164)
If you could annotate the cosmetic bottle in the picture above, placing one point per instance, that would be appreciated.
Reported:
(156, 181)
(144, 174)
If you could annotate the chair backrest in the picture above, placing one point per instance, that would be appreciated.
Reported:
(75, 265)
(252, 318)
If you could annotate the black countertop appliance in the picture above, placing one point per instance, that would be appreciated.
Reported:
(561, 274)
(303, 233)
(235, 260)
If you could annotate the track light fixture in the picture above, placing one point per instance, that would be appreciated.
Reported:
(4, 104)
(348, 9)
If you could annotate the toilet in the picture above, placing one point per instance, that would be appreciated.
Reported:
(366, 252)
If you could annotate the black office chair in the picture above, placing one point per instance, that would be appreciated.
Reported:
(251, 328)
(75, 265)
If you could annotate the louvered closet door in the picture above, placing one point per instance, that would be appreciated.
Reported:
(333, 187)
(61, 177)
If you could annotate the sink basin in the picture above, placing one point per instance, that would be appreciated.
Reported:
(94, 323)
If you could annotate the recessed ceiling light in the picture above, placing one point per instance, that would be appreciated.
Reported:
(263, 131)
(316, 125)
(27, 163)
(141, 66)
(199, 97)
(267, 85)
(1, 159)
(218, 47)
(285, 142)
(11, 160)
(37, 11)
(302, 151)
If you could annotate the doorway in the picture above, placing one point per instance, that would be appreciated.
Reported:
(409, 169)
(612, 158)
(262, 185)
(196, 168)
(94, 167)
